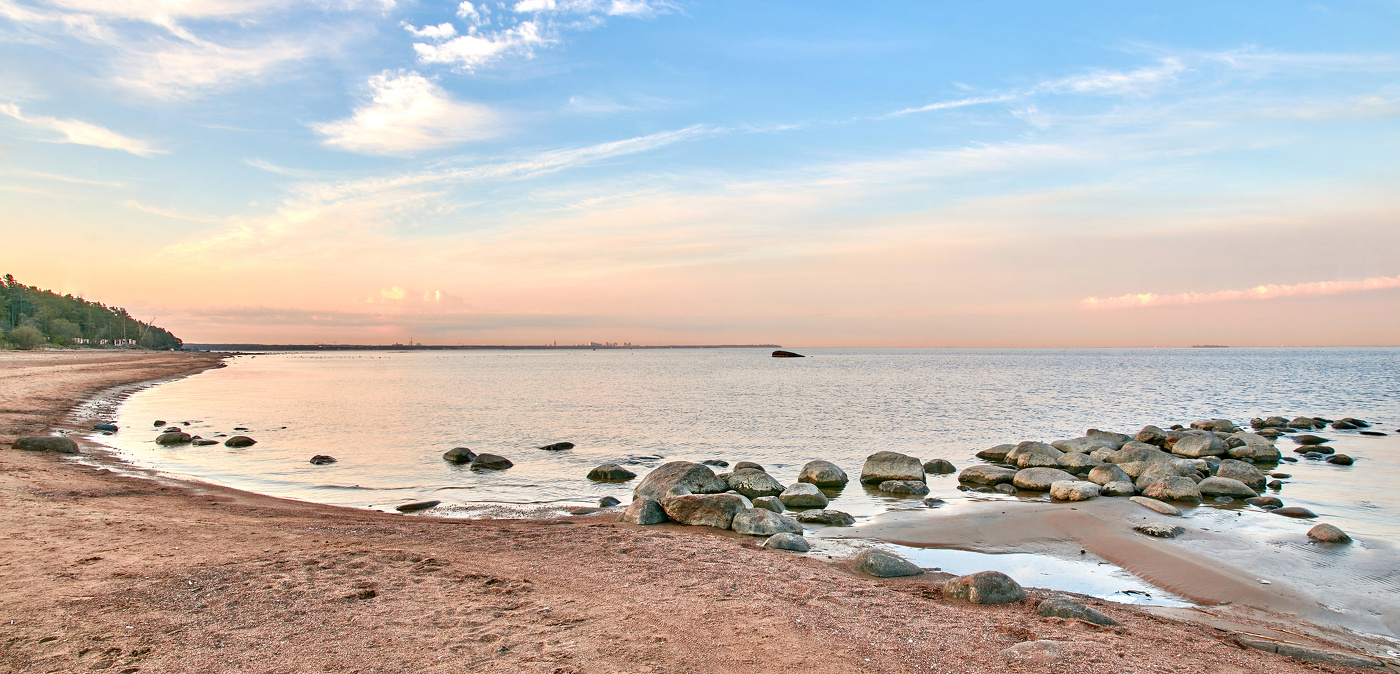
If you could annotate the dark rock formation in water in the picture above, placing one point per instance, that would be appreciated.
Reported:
(558, 446)
(459, 455)
(787, 354)
(416, 506)
(240, 441)
(322, 460)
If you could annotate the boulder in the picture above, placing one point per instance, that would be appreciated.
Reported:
(705, 510)
(416, 506)
(1153, 472)
(987, 475)
(608, 502)
(1305, 423)
(787, 354)
(1160, 530)
(459, 455)
(322, 460)
(803, 495)
(1255, 453)
(1320, 450)
(1085, 444)
(159, 422)
(882, 563)
(1198, 446)
(763, 522)
(1221, 425)
(110, 428)
(1040, 479)
(984, 587)
(904, 487)
(1344, 425)
(1265, 501)
(939, 467)
(1356, 422)
(1032, 454)
(204, 443)
(716, 462)
(179, 438)
(1224, 486)
(643, 510)
(823, 474)
(692, 477)
(1077, 463)
(1174, 489)
(1152, 435)
(1340, 460)
(831, 518)
(490, 462)
(1244, 472)
(558, 446)
(768, 502)
(46, 443)
(1072, 610)
(1003, 488)
(235, 441)
(996, 454)
(1107, 473)
(1119, 439)
(787, 541)
(1158, 506)
(882, 466)
(1123, 488)
(1295, 512)
(754, 482)
(1139, 451)
(749, 465)
(610, 472)
(1073, 490)
(1326, 533)
(1275, 485)
(1306, 439)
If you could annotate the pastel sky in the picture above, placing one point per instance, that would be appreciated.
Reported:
(975, 173)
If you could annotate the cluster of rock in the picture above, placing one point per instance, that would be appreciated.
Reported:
(463, 455)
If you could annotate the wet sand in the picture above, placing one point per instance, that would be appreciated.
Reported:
(100, 570)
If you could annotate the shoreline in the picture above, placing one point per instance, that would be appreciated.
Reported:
(171, 575)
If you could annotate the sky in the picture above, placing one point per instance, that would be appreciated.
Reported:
(977, 173)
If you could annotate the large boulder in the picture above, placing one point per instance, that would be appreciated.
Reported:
(823, 474)
(1072, 610)
(1032, 454)
(1174, 489)
(692, 477)
(643, 510)
(1224, 486)
(1107, 473)
(831, 518)
(1152, 435)
(1256, 453)
(1077, 463)
(803, 495)
(460, 455)
(1073, 490)
(1244, 472)
(787, 541)
(763, 522)
(985, 587)
(46, 443)
(939, 467)
(1199, 446)
(1040, 479)
(883, 564)
(904, 487)
(1085, 444)
(754, 482)
(882, 466)
(610, 472)
(987, 475)
(1119, 439)
(996, 454)
(705, 510)
(1154, 472)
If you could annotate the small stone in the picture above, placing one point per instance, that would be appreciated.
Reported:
(933, 501)
(112, 428)
(883, 564)
(1281, 476)
(1275, 485)
(558, 446)
(787, 541)
(583, 510)
(1326, 533)
(159, 423)
(1295, 512)
(1123, 488)
(321, 460)
(1160, 530)
(984, 587)
(1265, 502)
(204, 443)
(1155, 505)
(715, 462)
(1073, 610)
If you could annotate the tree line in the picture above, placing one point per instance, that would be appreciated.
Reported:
(30, 318)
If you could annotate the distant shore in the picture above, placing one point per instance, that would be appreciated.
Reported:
(463, 347)
(105, 568)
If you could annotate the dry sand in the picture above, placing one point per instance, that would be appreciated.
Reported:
(105, 571)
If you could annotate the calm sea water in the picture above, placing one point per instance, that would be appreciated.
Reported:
(387, 417)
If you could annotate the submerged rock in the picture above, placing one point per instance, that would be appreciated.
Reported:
(787, 541)
(1326, 533)
(1310, 440)
(322, 460)
(823, 474)
(179, 438)
(882, 466)
(787, 354)
(558, 446)
(416, 506)
(490, 462)
(1265, 502)
(747, 465)
(204, 443)
(1160, 530)
(883, 564)
(610, 472)
(720, 463)
(459, 455)
(1155, 505)
(235, 441)
(111, 428)
(984, 587)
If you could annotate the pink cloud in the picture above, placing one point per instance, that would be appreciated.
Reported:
(1263, 292)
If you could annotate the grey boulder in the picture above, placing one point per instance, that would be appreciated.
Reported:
(644, 510)
(1040, 479)
(1085, 444)
(939, 467)
(1155, 505)
(823, 474)
(754, 482)
(769, 503)
(704, 510)
(882, 466)
(1199, 446)
(987, 475)
(1073, 490)
(831, 518)
(1077, 463)
(763, 522)
(996, 454)
(692, 477)
(1107, 473)
(1123, 488)
(459, 455)
(610, 472)
(787, 541)
(883, 564)
(803, 495)
(1174, 489)
(1243, 472)
(1326, 533)
(1073, 610)
(1032, 454)
(985, 587)
(46, 443)
(1224, 486)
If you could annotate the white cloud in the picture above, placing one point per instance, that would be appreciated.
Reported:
(82, 133)
(609, 7)
(178, 70)
(472, 51)
(408, 113)
(959, 103)
(1108, 81)
(1262, 292)
(441, 31)
(165, 213)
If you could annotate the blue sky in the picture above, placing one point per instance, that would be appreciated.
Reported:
(929, 173)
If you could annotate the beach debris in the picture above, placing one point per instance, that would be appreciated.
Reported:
(1295, 512)
(1174, 489)
(986, 475)
(490, 462)
(996, 454)
(558, 446)
(1326, 533)
(787, 354)
(1157, 506)
(644, 510)
(1305, 653)
(763, 522)
(715, 462)
(803, 495)
(1309, 439)
(984, 587)
(939, 467)
(1224, 486)
(610, 472)
(753, 482)
(882, 563)
(459, 455)
(1073, 490)
(882, 466)
(1040, 652)
(176, 438)
(823, 474)
(769, 502)
(322, 460)
(787, 541)
(1063, 608)
(707, 510)
(692, 477)
(1040, 479)
(46, 443)
(240, 441)
(416, 506)
(608, 502)
(1340, 460)
(831, 518)
(110, 428)
(1160, 530)
(904, 487)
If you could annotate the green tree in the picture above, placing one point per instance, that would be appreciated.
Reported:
(26, 337)
(62, 331)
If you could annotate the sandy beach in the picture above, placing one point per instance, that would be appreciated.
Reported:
(107, 569)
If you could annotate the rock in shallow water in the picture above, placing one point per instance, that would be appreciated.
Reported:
(558, 447)
(1175, 489)
(322, 460)
(823, 474)
(904, 487)
(490, 462)
(802, 495)
(1040, 479)
(1295, 512)
(1073, 490)
(987, 475)
(692, 477)
(883, 564)
(1326, 533)
(754, 482)
(1340, 460)
(608, 502)
(996, 454)
(1265, 502)
(459, 455)
(1224, 486)
(882, 466)
(984, 587)
(610, 472)
(939, 467)
(831, 518)
(416, 506)
(235, 441)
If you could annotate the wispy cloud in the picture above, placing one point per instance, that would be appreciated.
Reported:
(82, 133)
(279, 170)
(1116, 82)
(165, 213)
(1263, 292)
(955, 103)
(408, 113)
(71, 179)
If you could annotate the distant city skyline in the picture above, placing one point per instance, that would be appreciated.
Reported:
(669, 172)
